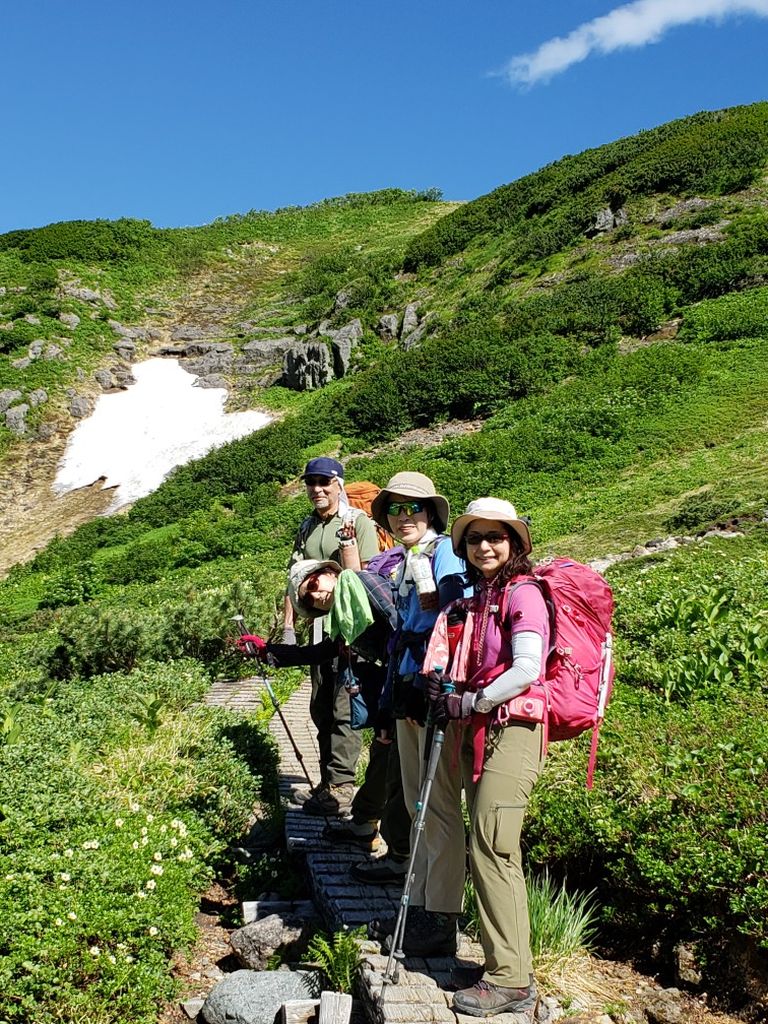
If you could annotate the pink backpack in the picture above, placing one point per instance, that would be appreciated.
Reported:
(579, 669)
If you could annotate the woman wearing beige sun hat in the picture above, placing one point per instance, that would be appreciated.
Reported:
(425, 575)
(506, 635)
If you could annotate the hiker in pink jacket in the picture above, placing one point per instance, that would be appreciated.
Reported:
(501, 652)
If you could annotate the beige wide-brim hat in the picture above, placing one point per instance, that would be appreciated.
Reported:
(411, 485)
(492, 509)
(299, 572)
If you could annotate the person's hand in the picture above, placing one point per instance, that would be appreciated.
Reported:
(384, 725)
(452, 707)
(250, 645)
(415, 706)
(289, 636)
(433, 683)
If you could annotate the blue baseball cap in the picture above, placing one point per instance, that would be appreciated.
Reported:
(323, 467)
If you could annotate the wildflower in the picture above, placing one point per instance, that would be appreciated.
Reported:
(69, 852)
(174, 841)
(94, 951)
(9, 878)
(91, 844)
(112, 958)
(144, 830)
(152, 930)
(157, 856)
(141, 894)
(150, 818)
(128, 958)
(144, 840)
(163, 829)
(134, 807)
(65, 877)
(151, 884)
(156, 869)
(58, 922)
(72, 915)
(135, 844)
(119, 822)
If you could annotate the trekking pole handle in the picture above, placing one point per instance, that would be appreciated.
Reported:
(239, 621)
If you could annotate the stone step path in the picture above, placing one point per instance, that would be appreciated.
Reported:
(420, 995)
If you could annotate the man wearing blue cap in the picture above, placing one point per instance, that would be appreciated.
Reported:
(332, 532)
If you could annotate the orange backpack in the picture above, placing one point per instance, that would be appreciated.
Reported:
(361, 494)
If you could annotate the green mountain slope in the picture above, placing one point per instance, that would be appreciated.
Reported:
(592, 344)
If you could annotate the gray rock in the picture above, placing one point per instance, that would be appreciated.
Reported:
(136, 333)
(69, 319)
(410, 319)
(412, 339)
(84, 294)
(211, 362)
(256, 942)
(35, 350)
(342, 300)
(255, 997)
(193, 332)
(80, 406)
(606, 220)
(37, 397)
(693, 205)
(213, 380)
(7, 398)
(201, 348)
(325, 330)
(300, 329)
(665, 1007)
(21, 364)
(342, 344)
(388, 326)
(32, 319)
(15, 419)
(104, 379)
(263, 353)
(192, 1007)
(307, 367)
(123, 377)
(53, 352)
(126, 349)
(688, 970)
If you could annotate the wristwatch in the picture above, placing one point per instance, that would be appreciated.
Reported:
(483, 704)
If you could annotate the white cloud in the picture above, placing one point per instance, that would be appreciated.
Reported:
(631, 25)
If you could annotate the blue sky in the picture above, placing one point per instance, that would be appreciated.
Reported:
(183, 112)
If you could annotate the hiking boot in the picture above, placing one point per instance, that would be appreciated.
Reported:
(330, 800)
(364, 834)
(486, 1000)
(381, 927)
(428, 934)
(381, 871)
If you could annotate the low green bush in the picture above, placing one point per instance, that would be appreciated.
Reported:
(741, 315)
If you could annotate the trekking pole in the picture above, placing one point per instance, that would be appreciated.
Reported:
(396, 954)
(264, 678)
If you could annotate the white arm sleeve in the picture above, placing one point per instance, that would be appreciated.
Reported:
(527, 652)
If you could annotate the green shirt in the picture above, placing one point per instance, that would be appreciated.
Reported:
(319, 539)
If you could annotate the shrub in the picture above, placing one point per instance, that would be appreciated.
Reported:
(741, 315)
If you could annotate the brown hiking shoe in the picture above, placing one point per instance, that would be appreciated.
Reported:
(364, 835)
(330, 800)
(486, 1000)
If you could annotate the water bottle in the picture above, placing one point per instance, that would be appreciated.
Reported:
(424, 581)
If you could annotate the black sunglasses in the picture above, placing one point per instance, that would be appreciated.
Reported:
(394, 508)
(318, 481)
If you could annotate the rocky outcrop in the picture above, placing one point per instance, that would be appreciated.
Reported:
(7, 398)
(606, 220)
(342, 344)
(255, 943)
(126, 349)
(410, 319)
(308, 367)
(135, 333)
(80, 406)
(37, 397)
(388, 326)
(75, 291)
(70, 320)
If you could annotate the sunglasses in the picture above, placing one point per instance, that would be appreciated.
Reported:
(318, 481)
(394, 508)
(310, 587)
(494, 539)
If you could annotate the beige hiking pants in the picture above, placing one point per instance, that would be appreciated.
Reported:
(497, 804)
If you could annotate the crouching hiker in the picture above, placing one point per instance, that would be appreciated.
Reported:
(335, 531)
(501, 653)
(427, 575)
(360, 622)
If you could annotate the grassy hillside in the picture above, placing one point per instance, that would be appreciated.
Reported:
(611, 382)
